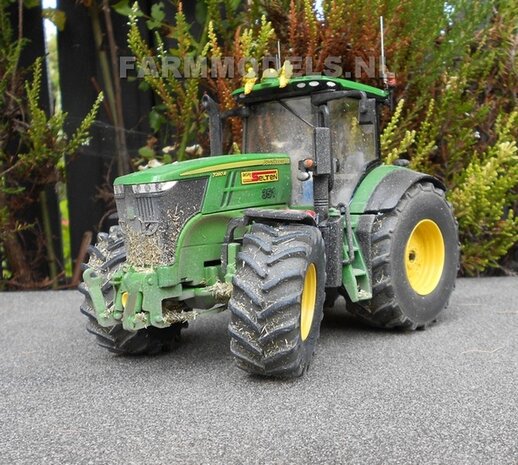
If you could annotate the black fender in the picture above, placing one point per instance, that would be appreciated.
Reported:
(283, 215)
(393, 186)
(262, 215)
(331, 230)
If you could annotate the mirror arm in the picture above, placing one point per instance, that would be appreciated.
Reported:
(215, 128)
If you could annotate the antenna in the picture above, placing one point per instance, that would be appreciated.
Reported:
(383, 69)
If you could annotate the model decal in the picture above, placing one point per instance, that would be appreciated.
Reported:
(255, 177)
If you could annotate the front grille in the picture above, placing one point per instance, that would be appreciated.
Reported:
(146, 208)
(152, 222)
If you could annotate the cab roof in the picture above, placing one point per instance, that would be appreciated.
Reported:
(268, 88)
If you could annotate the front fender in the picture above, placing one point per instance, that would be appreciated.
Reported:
(281, 215)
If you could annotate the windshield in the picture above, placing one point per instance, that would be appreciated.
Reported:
(273, 128)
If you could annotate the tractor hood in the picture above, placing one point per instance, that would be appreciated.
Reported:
(202, 167)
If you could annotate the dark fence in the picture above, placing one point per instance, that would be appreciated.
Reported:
(80, 80)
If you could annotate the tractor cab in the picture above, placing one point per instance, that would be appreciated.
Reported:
(327, 127)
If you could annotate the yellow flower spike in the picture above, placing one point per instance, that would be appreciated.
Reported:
(285, 73)
(249, 79)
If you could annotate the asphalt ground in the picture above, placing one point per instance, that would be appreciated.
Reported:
(446, 395)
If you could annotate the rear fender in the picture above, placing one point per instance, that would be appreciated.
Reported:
(381, 191)
(384, 186)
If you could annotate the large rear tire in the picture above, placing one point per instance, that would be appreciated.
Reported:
(414, 257)
(107, 256)
(277, 300)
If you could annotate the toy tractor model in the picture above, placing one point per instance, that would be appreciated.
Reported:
(307, 213)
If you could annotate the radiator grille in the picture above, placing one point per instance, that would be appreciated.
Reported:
(146, 208)
(152, 222)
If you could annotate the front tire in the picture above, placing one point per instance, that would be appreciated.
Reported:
(414, 257)
(277, 302)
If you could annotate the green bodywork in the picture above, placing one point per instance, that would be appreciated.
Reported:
(202, 167)
(195, 274)
(162, 295)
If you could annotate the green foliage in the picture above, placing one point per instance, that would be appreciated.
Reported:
(254, 44)
(483, 191)
(58, 17)
(460, 95)
(456, 71)
(179, 112)
(391, 147)
(44, 142)
(124, 8)
(33, 147)
(65, 230)
(10, 50)
(179, 107)
(31, 3)
(426, 141)
(484, 197)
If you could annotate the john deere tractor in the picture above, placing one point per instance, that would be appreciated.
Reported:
(307, 213)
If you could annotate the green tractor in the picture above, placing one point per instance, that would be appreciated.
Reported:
(306, 214)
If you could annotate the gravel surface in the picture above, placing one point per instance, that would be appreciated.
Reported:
(446, 395)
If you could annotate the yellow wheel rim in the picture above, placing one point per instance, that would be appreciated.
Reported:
(124, 299)
(309, 297)
(424, 257)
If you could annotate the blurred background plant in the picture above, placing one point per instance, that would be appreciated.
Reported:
(457, 82)
(33, 147)
(221, 35)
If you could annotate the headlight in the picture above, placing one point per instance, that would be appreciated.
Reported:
(152, 187)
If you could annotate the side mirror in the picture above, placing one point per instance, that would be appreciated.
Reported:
(367, 112)
(215, 130)
(323, 151)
